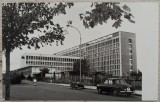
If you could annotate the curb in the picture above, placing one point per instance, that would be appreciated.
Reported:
(90, 88)
(137, 94)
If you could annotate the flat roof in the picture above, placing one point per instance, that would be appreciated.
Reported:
(49, 55)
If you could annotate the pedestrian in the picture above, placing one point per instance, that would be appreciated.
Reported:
(34, 81)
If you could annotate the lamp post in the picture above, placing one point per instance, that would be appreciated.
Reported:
(79, 47)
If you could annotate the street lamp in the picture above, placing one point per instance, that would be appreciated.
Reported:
(79, 47)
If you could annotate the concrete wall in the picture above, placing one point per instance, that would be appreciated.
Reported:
(125, 56)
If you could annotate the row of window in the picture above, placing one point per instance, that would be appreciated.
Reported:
(103, 58)
(104, 47)
(48, 63)
(105, 63)
(130, 53)
(114, 72)
(113, 67)
(107, 67)
(109, 42)
(95, 54)
(93, 50)
(49, 58)
(105, 52)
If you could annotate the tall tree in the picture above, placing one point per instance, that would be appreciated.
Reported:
(104, 11)
(139, 73)
(44, 71)
(84, 66)
(20, 20)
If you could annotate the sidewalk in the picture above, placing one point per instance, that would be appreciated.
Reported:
(137, 92)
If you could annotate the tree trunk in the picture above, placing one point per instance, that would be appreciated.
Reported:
(7, 76)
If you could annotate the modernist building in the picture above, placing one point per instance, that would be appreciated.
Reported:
(32, 63)
(113, 54)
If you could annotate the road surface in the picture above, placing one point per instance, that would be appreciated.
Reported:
(49, 91)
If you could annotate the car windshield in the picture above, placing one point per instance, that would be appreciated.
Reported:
(119, 81)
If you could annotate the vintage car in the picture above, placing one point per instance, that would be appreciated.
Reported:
(115, 86)
(76, 85)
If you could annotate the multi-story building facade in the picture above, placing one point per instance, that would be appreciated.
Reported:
(113, 54)
(32, 63)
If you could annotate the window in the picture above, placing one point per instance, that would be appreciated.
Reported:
(114, 40)
(110, 82)
(131, 62)
(106, 82)
(27, 57)
(117, 39)
(130, 40)
(130, 46)
(117, 45)
(130, 51)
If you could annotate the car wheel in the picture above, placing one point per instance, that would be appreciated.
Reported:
(115, 92)
(72, 86)
(76, 86)
(100, 91)
(82, 87)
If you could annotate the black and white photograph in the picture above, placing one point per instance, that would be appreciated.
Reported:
(80, 51)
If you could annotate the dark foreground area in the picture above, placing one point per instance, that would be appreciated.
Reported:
(49, 91)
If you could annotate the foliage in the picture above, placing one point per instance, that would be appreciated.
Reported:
(136, 75)
(19, 23)
(133, 73)
(22, 19)
(16, 78)
(100, 77)
(29, 78)
(22, 76)
(103, 11)
(43, 71)
(139, 73)
(84, 66)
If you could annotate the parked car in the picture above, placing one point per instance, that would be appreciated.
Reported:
(115, 86)
(76, 85)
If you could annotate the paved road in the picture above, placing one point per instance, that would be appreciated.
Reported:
(48, 91)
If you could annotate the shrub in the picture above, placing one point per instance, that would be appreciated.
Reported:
(29, 78)
(16, 79)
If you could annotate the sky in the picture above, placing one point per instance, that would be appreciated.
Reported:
(146, 29)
